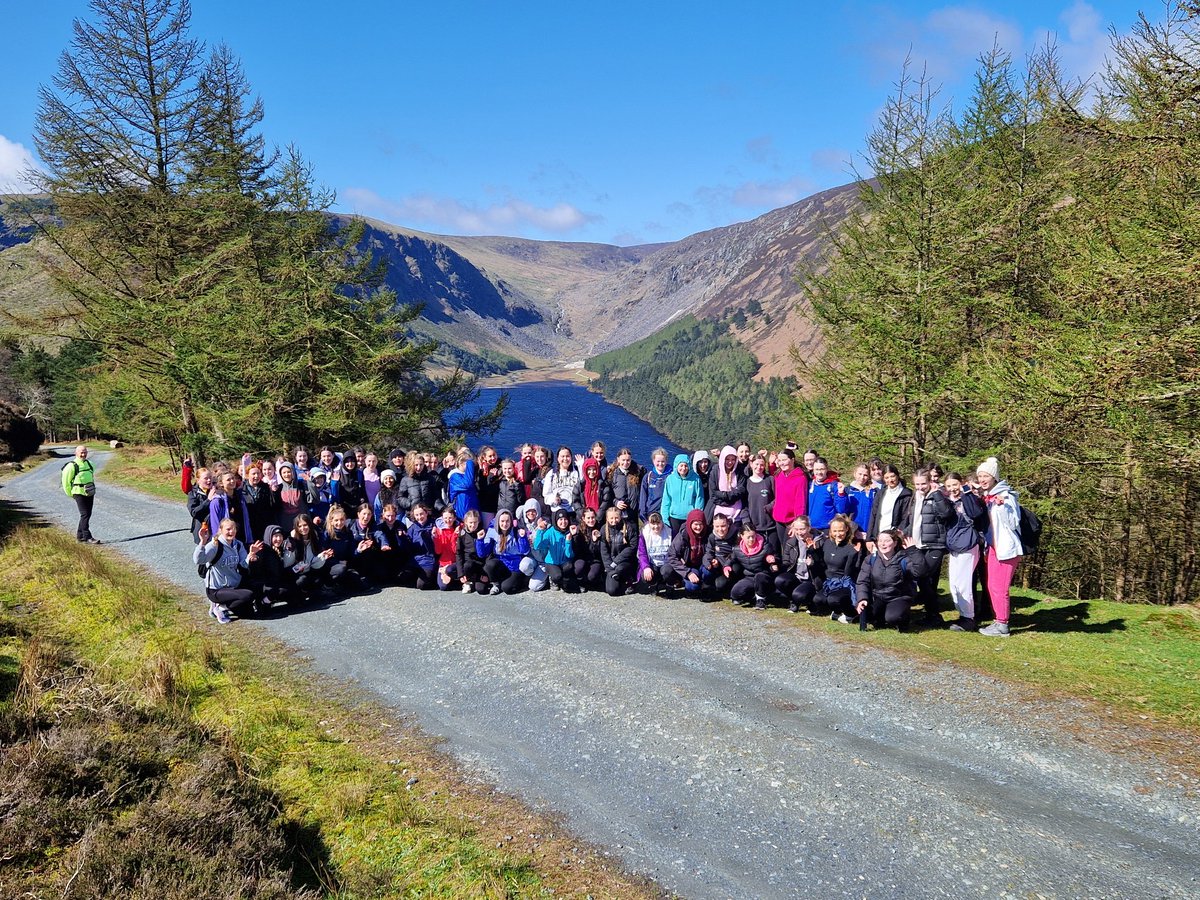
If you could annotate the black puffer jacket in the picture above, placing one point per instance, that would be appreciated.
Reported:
(423, 487)
(937, 515)
(882, 580)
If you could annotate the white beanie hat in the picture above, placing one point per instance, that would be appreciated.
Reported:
(990, 466)
(385, 473)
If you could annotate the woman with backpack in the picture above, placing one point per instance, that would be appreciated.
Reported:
(223, 561)
(1003, 537)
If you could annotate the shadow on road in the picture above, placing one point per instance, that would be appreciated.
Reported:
(142, 537)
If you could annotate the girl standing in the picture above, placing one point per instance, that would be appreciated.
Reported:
(1004, 549)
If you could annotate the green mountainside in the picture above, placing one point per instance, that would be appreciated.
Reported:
(694, 381)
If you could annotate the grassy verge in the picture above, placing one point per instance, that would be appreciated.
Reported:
(1141, 661)
(146, 469)
(370, 807)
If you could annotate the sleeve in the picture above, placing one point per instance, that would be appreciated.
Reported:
(841, 501)
(68, 475)
(862, 584)
(204, 553)
(643, 555)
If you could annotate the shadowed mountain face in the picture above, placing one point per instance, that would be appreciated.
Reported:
(560, 301)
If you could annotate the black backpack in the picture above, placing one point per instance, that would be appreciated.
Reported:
(202, 568)
(1031, 531)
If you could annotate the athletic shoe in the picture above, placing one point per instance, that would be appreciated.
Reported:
(963, 625)
(760, 603)
(466, 589)
(996, 629)
(793, 608)
(266, 602)
(844, 619)
(493, 590)
(221, 614)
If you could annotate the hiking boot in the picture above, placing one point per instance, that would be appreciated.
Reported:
(963, 625)
(996, 629)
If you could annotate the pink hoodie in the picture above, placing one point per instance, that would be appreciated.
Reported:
(791, 495)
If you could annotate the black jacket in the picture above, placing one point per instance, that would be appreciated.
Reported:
(901, 512)
(262, 506)
(618, 547)
(937, 515)
(834, 560)
(719, 550)
(880, 581)
(421, 488)
(509, 495)
(626, 486)
(753, 563)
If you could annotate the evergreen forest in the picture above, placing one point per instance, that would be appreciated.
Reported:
(694, 381)
(1022, 279)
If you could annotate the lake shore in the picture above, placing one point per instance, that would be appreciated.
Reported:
(572, 372)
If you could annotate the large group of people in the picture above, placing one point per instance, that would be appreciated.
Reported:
(758, 528)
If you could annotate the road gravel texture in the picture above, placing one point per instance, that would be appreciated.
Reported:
(724, 753)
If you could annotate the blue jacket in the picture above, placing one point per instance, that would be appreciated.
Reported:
(460, 489)
(343, 544)
(861, 502)
(651, 492)
(422, 545)
(515, 551)
(824, 502)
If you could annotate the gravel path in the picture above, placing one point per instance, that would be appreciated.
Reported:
(725, 754)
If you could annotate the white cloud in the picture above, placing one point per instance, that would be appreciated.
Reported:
(1083, 42)
(15, 163)
(947, 42)
(447, 213)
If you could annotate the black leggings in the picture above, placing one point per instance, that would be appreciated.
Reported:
(589, 574)
(799, 593)
(891, 613)
(233, 599)
(498, 573)
(618, 580)
(563, 576)
(748, 586)
(837, 601)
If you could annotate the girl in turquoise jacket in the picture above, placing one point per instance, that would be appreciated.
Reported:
(682, 493)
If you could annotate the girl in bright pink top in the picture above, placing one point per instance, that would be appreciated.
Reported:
(791, 493)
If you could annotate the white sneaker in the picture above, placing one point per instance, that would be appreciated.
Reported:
(844, 619)
(493, 590)
(996, 629)
(466, 589)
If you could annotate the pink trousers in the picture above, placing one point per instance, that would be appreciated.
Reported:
(999, 577)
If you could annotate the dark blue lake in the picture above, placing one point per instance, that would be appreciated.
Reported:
(552, 413)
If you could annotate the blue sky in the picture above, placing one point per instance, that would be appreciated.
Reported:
(622, 123)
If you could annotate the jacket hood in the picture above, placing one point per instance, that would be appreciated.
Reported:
(532, 503)
(696, 515)
(590, 465)
(699, 456)
(269, 532)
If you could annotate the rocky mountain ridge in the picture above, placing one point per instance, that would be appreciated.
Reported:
(558, 301)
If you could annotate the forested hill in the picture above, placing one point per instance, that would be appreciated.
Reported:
(694, 382)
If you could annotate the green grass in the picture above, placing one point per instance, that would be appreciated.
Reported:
(339, 771)
(1139, 660)
(145, 469)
